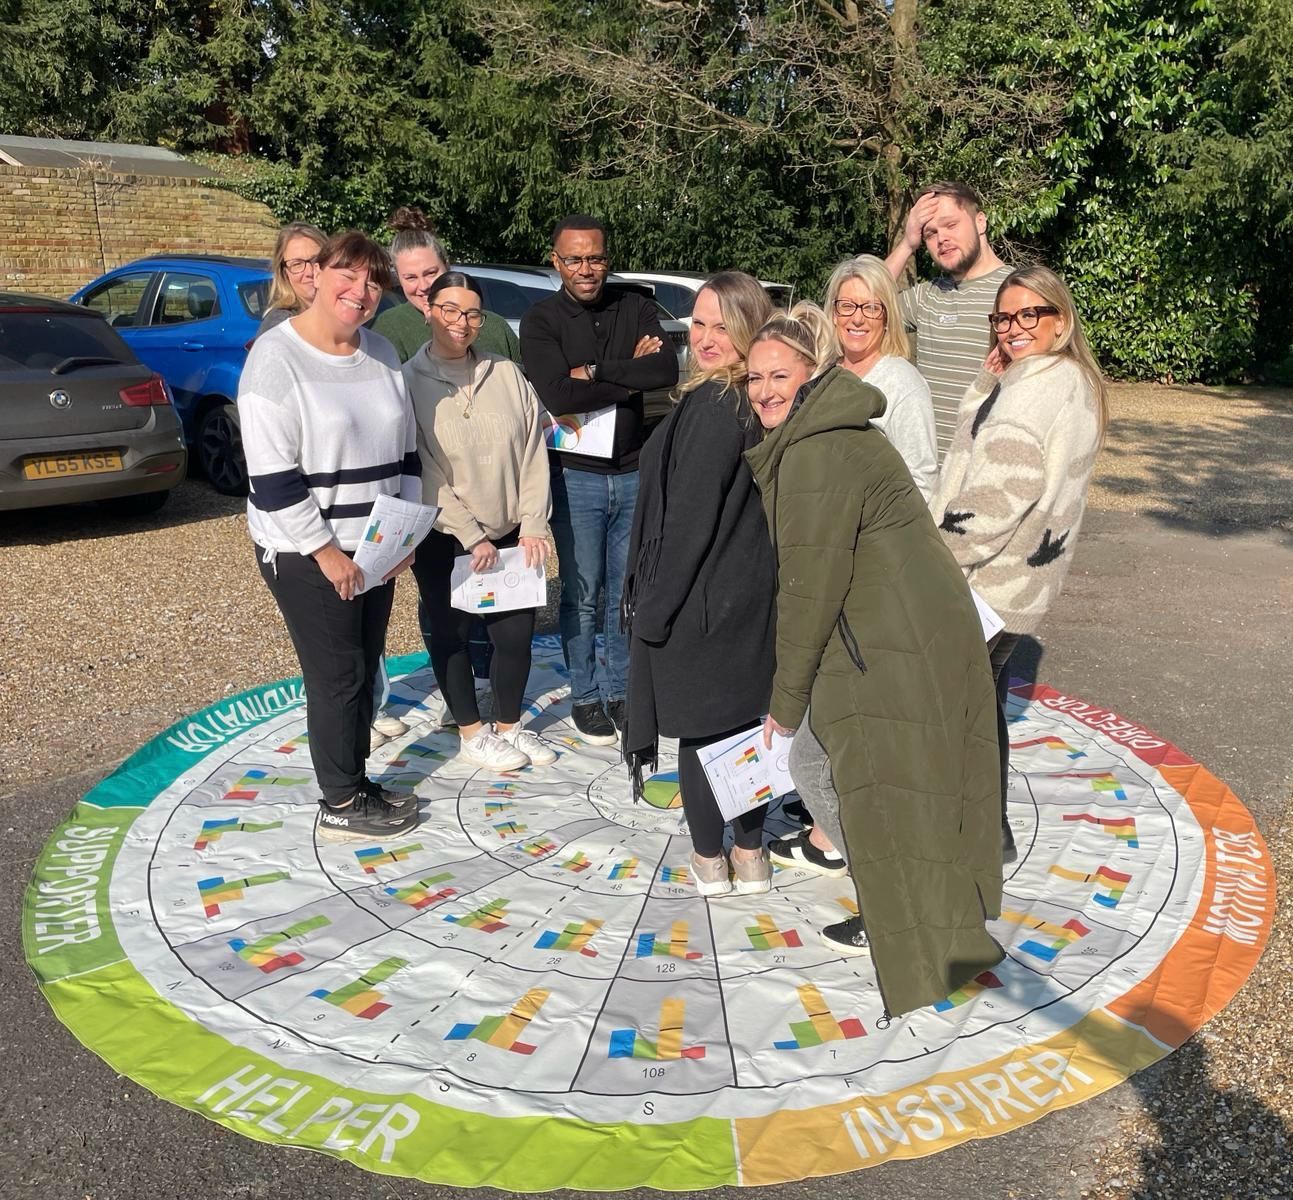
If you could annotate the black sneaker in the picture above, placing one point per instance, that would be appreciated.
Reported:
(593, 724)
(798, 851)
(796, 810)
(848, 937)
(618, 713)
(366, 816)
(397, 800)
(1008, 852)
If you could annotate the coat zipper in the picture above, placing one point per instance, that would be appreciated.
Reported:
(850, 643)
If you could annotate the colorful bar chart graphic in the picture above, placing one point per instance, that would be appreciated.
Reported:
(577, 862)
(213, 831)
(419, 895)
(372, 857)
(1110, 885)
(494, 808)
(766, 936)
(749, 758)
(360, 997)
(294, 745)
(575, 936)
(629, 1043)
(625, 869)
(1062, 936)
(372, 534)
(247, 787)
(537, 849)
(487, 600)
(821, 1026)
(651, 944)
(964, 995)
(1101, 781)
(503, 1031)
(1123, 828)
(762, 796)
(506, 829)
(674, 875)
(264, 953)
(1051, 743)
(488, 918)
(408, 540)
(218, 890)
(503, 789)
(419, 750)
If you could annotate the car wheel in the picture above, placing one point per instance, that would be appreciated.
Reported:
(136, 506)
(220, 450)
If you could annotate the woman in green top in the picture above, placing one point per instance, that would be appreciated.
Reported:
(420, 259)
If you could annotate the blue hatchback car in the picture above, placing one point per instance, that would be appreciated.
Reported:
(191, 318)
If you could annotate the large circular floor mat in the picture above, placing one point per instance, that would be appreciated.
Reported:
(528, 992)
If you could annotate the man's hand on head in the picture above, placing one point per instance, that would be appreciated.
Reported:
(922, 212)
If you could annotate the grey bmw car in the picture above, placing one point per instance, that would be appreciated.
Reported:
(81, 418)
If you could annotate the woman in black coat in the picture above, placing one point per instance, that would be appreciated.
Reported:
(700, 591)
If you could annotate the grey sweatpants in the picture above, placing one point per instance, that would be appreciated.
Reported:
(810, 768)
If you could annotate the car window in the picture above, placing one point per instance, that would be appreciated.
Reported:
(510, 300)
(255, 298)
(117, 301)
(40, 341)
(780, 294)
(676, 298)
(184, 298)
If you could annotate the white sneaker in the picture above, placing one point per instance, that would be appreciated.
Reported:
(491, 753)
(376, 738)
(529, 743)
(388, 726)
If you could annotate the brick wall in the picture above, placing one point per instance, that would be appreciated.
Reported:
(60, 228)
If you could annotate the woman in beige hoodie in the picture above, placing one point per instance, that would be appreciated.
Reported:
(484, 463)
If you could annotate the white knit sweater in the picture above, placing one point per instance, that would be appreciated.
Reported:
(1013, 487)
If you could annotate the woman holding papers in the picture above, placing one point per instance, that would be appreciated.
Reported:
(698, 597)
(327, 428)
(484, 464)
(876, 627)
(1014, 484)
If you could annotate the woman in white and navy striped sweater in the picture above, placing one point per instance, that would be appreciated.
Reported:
(327, 427)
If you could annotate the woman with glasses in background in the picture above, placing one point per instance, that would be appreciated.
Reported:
(295, 264)
(485, 465)
(874, 346)
(1014, 484)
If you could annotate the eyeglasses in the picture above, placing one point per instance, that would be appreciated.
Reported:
(868, 308)
(451, 314)
(298, 266)
(596, 262)
(1025, 318)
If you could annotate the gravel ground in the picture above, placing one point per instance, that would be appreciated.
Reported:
(114, 628)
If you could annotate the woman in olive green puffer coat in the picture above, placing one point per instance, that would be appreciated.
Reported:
(877, 628)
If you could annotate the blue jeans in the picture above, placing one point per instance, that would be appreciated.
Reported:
(592, 518)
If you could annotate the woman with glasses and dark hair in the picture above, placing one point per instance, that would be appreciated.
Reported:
(485, 465)
(1013, 492)
(295, 262)
(327, 428)
(874, 346)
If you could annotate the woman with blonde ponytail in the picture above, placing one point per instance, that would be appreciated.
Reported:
(698, 595)
(880, 648)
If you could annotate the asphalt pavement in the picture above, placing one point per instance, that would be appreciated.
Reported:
(1183, 628)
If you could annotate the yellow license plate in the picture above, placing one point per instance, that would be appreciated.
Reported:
(56, 466)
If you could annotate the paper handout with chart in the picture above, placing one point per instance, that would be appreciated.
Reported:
(591, 433)
(744, 773)
(506, 586)
(395, 529)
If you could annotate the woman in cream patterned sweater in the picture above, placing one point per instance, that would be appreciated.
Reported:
(1013, 488)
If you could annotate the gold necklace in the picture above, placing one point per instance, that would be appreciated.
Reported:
(471, 372)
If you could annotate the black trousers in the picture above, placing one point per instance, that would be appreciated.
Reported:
(339, 644)
(999, 651)
(447, 631)
(704, 818)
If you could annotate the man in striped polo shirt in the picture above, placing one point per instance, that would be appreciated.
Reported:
(949, 315)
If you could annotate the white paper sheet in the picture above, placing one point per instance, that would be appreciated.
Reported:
(395, 529)
(509, 585)
(745, 774)
(581, 433)
(992, 624)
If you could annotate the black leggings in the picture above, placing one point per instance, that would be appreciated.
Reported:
(999, 651)
(446, 642)
(704, 818)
